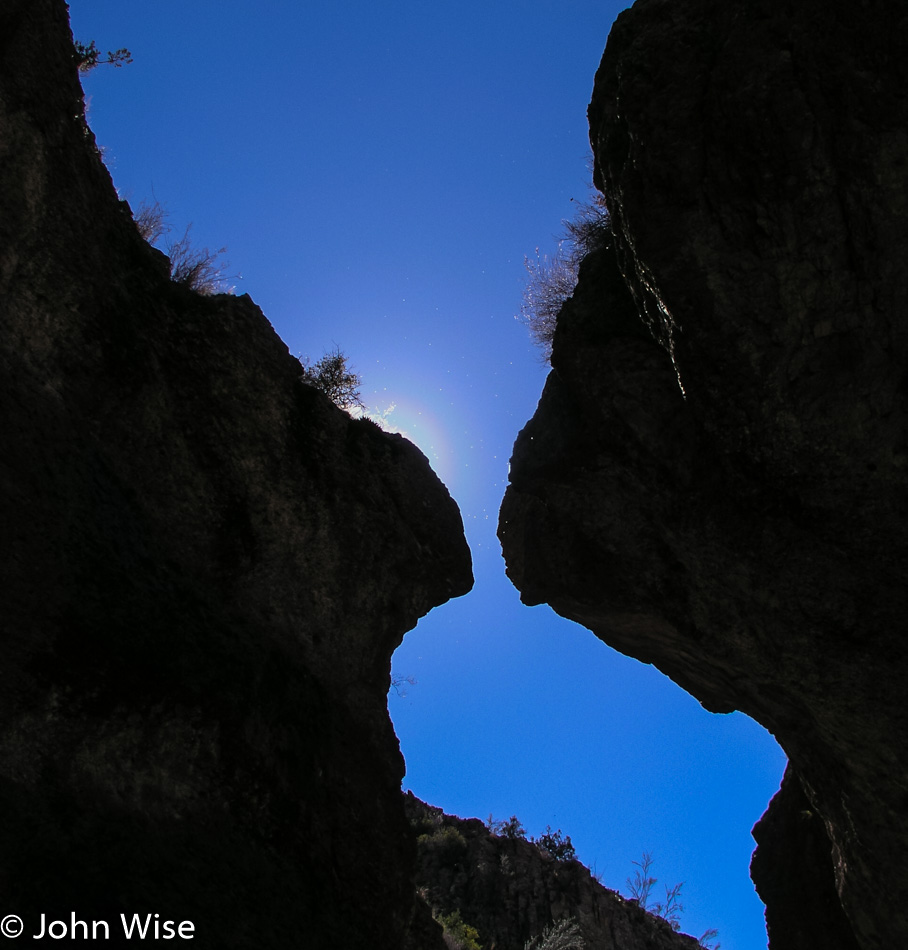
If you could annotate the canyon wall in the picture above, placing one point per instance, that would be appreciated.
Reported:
(715, 478)
(511, 889)
(205, 569)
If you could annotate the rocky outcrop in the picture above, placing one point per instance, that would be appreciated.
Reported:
(204, 571)
(715, 477)
(510, 889)
(796, 881)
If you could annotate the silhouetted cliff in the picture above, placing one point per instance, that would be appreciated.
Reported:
(205, 568)
(510, 889)
(715, 478)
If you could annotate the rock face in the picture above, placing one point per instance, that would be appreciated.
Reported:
(205, 569)
(509, 889)
(715, 477)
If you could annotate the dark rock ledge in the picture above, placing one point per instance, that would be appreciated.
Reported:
(205, 568)
(748, 536)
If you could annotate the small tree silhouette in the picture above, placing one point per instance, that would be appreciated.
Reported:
(512, 828)
(642, 883)
(87, 56)
(334, 378)
(672, 908)
(558, 845)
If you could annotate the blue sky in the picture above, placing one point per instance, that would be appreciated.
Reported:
(377, 174)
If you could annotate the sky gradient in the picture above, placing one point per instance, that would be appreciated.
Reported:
(377, 174)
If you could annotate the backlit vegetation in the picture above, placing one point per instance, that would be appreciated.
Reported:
(510, 828)
(335, 378)
(194, 267)
(551, 279)
(88, 56)
(558, 845)
(640, 887)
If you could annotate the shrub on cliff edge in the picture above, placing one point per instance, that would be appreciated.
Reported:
(558, 845)
(88, 56)
(551, 280)
(332, 376)
(196, 267)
